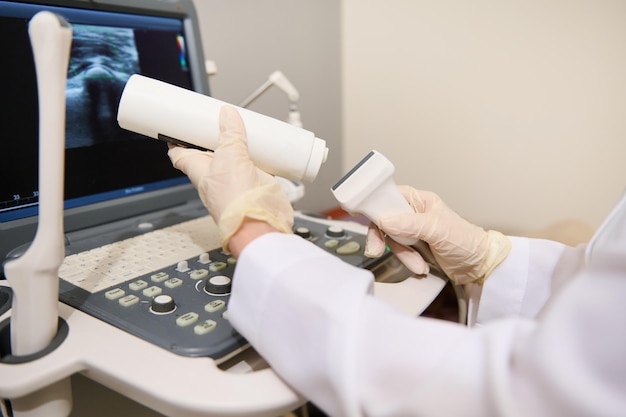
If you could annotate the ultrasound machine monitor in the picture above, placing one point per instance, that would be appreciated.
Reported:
(118, 184)
(110, 173)
(142, 253)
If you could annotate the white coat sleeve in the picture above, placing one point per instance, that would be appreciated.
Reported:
(315, 321)
(526, 279)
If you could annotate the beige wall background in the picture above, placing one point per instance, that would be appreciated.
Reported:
(513, 111)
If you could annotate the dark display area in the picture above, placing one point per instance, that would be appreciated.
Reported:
(103, 161)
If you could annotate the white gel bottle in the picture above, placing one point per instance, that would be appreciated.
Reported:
(163, 111)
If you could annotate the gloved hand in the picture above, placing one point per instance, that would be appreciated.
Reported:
(230, 185)
(465, 252)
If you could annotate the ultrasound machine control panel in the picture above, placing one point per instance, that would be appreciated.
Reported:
(171, 286)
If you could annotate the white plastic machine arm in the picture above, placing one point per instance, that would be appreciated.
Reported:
(278, 79)
(34, 276)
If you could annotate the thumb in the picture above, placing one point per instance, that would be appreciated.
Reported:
(409, 257)
(232, 128)
(375, 244)
(232, 148)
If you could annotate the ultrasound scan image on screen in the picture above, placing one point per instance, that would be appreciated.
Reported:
(102, 59)
(103, 161)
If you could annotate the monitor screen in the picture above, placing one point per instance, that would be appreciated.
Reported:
(111, 41)
(103, 161)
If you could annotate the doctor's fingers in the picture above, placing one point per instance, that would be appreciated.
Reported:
(232, 128)
(420, 201)
(409, 257)
(418, 226)
(231, 154)
(375, 244)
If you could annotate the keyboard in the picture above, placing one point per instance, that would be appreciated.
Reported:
(113, 264)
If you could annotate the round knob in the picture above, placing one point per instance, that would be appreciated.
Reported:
(218, 285)
(335, 231)
(302, 231)
(163, 304)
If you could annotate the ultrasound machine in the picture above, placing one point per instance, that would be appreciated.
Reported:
(144, 285)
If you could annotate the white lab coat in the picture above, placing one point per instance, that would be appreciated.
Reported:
(551, 338)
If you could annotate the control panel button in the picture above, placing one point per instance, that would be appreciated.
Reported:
(335, 231)
(204, 258)
(218, 266)
(187, 319)
(114, 294)
(163, 304)
(159, 277)
(152, 291)
(218, 285)
(140, 284)
(182, 266)
(128, 300)
(214, 306)
(205, 327)
(302, 231)
(173, 282)
(199, 274)
(331, 243)
(349, 248)
(145, 226)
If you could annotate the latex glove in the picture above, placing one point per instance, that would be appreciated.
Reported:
(465, 252)
(230, 185)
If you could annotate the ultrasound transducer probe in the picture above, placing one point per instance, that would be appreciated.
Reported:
(166, 112)
(369, 188)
